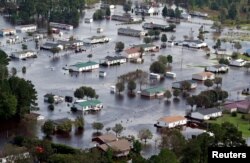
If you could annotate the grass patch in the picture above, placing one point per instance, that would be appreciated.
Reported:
(246, 58)
(243, 125)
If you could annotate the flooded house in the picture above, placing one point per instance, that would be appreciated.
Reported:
(242, 106)
(123, 18)
(220, 68)
(148, 47)
(84, 66)
(70, 44)
(26, 28)
(153, 92)
(179, 84)
(57, 99)
(171, 121)
(194, 44)
(113, 60)
(88, 20)
(88, 105)
(7, 32)
(203, 76)
(154, 26)
(23, 54)
(51, 45)
(133, 52)
(96, 40)
(131, 32)
(61, 26)
(106, 5)
(237, 63)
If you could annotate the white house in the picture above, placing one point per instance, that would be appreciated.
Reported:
(203, 76)
(26, 28)
(148, 47)
(133, 52)
(113, 60)
(87, 105)
(23, 54)
(7, 32)
(221, 68)
(179, 84)
(51, 45)
(84, 66)
(131, 32)
(96, 40)
(171, 121)
(238, 62)
(194, 44)
(206, 114)
(61, 26)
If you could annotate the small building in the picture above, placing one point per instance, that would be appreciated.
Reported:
(237, 62)
(220, 68)
(123, 18)
(206, 114)
(131, 32)
(134, 52)
(26, 28)
(179, 84)
(88, 20)
(102, 73)
(242, 106)
(154, 26)
(57, 99)
(88, 105)
(153, 92)
(113, 89)
(230, 107)
(7, 32)
(96, 40)
(170, 75)
(105, 6)
(61, 26)
(171, 121)
(154, 76)
(113, 60)
(71, 44)
(24, 54)
(203, 76)
(106, 138)
(148, 47)
(51, 45)
(84, 66)
(194, 44)
(99, 30)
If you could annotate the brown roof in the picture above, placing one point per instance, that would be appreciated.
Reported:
(208, 74)
(106, 138)
(117, 146)
(132, 50)
(170, 119)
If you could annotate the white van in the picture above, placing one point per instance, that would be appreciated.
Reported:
(170, 75)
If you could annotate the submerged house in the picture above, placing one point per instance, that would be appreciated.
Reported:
(134, 52)
(171, 121)
(237, 62)
(206, 114)
(242, 106)
(7, 32)
(153, 92)
(96, 40)
(220, 68)
(26, 28)
(84, 66)
(131, 32)
(161, 27)
(24, 54)
(148, 47)
(61, 26)
(203, 76)
(88, 105)
(51, 45)
(179, 84)
(113, 60)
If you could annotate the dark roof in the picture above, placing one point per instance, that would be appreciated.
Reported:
(208, 111)
(112, 58)
(190, 81)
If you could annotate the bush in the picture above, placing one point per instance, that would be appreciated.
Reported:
(234, 114)
(51, 107)
(243, 117)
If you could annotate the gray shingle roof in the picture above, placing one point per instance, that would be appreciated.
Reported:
(208, 111)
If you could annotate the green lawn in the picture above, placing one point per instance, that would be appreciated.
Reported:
(243, 125)
(246, 58)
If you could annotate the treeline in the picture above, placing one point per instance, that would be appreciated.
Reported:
(238, 10)
(17, 96)
(30, 11)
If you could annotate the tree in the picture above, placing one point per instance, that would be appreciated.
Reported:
(172, 38)
(65, 127)
(165, 11)
(79, 123)
(98, 15)
(218, 44)
(23, 69)
(120, 87)
(97, 126)
(48, 128)
(208, 83)
(145, 134)
(13, 71)
(218, 81)
(168, 94)
(119, 46)
(164, 38)
(89, 56)
(118, 128)
(157, 67)
(224, 61)
(163, 59)
(51, 99)
(108, 12)
(131, 86)
(127, 6)
(79, 93)
(185, 85)
(237, 46)
(8, 105)
(137, 147)
(232, 12)
(55, 50)
(165, 156)
(24, 47)
(191, 101)
(176, 93)
(147, 40)
(170, 59)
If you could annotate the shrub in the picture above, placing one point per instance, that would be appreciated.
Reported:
(234, 114)
(243, 117)
(51, 107)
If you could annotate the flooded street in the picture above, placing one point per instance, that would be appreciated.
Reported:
(134, 113)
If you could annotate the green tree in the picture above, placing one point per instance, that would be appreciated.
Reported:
(157, 67)
(48, 128)
(79, 93)
(120, 87)
(165, 156)
(24, 47)
(119, 46)
(224, 61)
(208, 83)
(145, 134)
(108, 12)
(8, 105)
(118, 128)
(164, 38)
(218, 81)
(186, 86)
(23, 69)
(13, 71)
(232, 12)
(55, 50)
(237, 46)
(191, 101)
(165, 11)
(235, 55)
(97, 126)
(79, 123)
(168, 94)
(137, 147)
(163, 59)
(65, 127)
(147, 40)
(98, 15)
(170, 59)
(218, 44)
(127, 6)
(90, 56)
(176, 93)
(131, 86)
